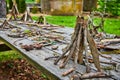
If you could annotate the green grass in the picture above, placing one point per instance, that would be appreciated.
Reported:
(68, 21)
(9, 55)
(111, 25)
(30, 1)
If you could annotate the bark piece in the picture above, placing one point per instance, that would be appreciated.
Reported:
(94, 50)
(94, 75)
(54, 47)
(68, 72)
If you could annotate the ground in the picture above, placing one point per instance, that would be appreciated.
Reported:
(19, 69)
(14, 66)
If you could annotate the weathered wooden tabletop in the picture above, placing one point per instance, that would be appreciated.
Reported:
(36, 57)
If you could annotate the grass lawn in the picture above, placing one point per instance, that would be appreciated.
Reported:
(12, 65)
(111, 25)
(9, 55)
(30, 1)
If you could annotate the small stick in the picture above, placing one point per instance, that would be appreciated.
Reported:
(86, 52)
(75, 77)
(112, 63)
(94, 75)
(105, 56)
(51, 57)
(94, 51)
(68, 72)
(69, 56)
(108, 57)
(78, 45)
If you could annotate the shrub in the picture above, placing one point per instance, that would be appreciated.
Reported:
(22, 6)
(110, 6)
(10, 4)
(35, 9)
(37, 1)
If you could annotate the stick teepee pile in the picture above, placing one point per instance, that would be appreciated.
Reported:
(26, 17)
(78, 48)
(14, 13)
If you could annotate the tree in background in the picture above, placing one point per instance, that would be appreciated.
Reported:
(10, 4)
(45, 4)
(2, 8)
(89, 5)
(109, 6)
(22, 6)
(37, 1)
(18, 6)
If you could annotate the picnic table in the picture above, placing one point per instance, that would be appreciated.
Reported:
(36, 57)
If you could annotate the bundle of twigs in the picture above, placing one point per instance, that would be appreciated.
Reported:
(40, 20)
(14, 12)
(78, 48)
(26, 17)
(6, 25)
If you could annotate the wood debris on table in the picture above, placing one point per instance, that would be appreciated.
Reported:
(82, 48)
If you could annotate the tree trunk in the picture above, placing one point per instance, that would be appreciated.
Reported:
(89, 5)
(45, 4)
(2, 9)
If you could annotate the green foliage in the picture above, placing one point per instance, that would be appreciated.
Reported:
(35, 9)
(10, 4)
(9, 55)
(68, 21)
(30, 1)
(27, 31)
(7, 8)
(110, 6)
(22, 6)
(111, 25)
(37, 1)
